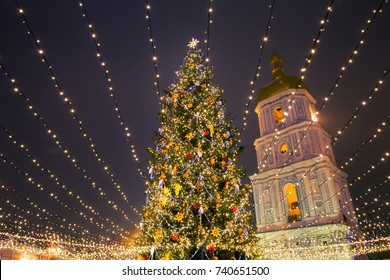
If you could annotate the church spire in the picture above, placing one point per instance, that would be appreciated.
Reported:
(276, 63)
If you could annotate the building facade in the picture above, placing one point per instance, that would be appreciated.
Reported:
(301, 197)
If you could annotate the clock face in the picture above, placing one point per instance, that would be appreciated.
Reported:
(283, 148)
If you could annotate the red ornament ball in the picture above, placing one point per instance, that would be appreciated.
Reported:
(175, 237)
(234, 209)
(206, 132)
(195, 206)
(224, 158)
(181, 93)
(210, 248)
(188, 154)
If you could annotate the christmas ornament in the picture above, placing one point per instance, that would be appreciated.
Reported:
(188, 136)
(195, 206)
(206, 132)
(215, 232)
(157, 235)
(188, 154)
(165, 190)
(211, 128)
(179, 217)
(163, 202)
(210, 248)
(177, 189)
(151, 169)
(175, 237)
(234, 209)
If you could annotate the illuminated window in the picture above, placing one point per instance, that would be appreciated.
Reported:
(283, 148)
(278, 115)
(294, 214)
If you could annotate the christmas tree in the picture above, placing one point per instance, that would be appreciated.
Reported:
(197, 207)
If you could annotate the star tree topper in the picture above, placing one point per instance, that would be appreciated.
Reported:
(193, 43)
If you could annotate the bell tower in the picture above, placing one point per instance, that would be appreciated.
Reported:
(301, 197)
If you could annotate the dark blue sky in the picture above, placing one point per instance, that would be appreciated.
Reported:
(235, 37)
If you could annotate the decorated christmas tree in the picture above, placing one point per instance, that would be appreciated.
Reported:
(197, 207)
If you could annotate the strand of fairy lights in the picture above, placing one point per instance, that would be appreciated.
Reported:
(68, 249)
(373, 220)
(53, 195)
(37, 226)
(335, 85)
(354, 116)
(350, 158)
(258, 68)
(33, 228)
(112, 94)
(46, 218)
(87, 249)
(71, 108)
(34, 239)
(57, 181)
(153, 46)
(70, 226)
(369, 190)
(54, 136)
(209, 22)
(22, 227)
(50, 240)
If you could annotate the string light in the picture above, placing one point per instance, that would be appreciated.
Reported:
(46, 220)
(53, 195)
(72, 110)
(44, 212)
(66, 151)
(258, 67)
(154, 55)
(209, 22)
(57, 181)
(112, 94)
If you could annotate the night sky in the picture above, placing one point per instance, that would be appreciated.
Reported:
(235, 36)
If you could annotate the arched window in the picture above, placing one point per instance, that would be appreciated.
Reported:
(278, 114)
(293, 214)
(283, 148)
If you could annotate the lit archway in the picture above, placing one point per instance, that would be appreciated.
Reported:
(290, 192)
